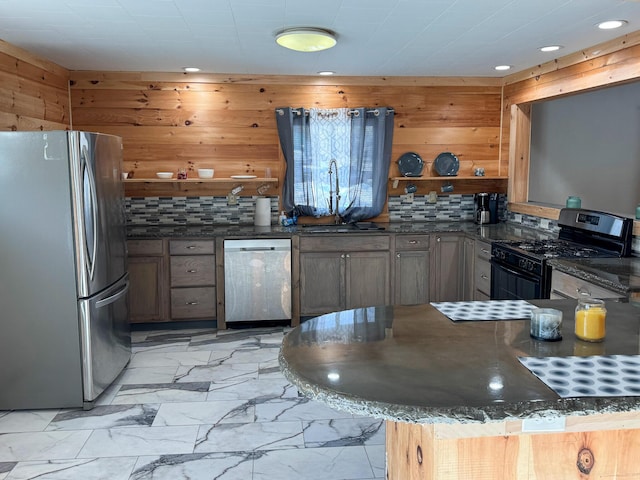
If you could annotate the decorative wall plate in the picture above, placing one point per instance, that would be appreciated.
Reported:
(446, 164)
(410, 164)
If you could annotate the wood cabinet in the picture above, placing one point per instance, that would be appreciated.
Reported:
(193, 279)
(147, 277)
(482, 270)
(343, 272)
(446, 267)
(467, 275)
(411, 269)
(564, 285)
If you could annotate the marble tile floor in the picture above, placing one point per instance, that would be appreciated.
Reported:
(195, 404)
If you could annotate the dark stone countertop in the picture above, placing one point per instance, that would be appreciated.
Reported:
(412, 364)
(622, 275)
(499, 231)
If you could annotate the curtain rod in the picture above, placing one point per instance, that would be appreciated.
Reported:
(351, 112)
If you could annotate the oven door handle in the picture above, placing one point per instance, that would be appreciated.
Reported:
(519, 273)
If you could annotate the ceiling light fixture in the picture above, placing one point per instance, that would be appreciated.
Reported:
(306, 39)
(550, 48)
(611, 24)
(191, 69)
(326, 73)
(503, 67)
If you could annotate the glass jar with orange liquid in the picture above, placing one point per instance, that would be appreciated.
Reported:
(591, 316)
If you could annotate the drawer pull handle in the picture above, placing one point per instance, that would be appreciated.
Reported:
(398, 255)
(191, 303)
(484, 250)
(413, 242)
(484, 277)
(192, 271)
(191, 247)
(585, 293)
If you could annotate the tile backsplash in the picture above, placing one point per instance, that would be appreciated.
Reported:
(193, 210)
(215, 210)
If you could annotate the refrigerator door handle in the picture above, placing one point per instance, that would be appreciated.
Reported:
(91, 183)
(115, 297)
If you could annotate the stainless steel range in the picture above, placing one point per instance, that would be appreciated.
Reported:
(519, 269)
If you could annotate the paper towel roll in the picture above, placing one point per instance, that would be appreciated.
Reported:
(262, 216)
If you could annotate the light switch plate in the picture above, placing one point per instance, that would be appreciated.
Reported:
(232, 199)
(433, 197)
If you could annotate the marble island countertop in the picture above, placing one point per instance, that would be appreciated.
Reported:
(412, 364)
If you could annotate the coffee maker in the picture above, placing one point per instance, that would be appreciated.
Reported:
(486, 208)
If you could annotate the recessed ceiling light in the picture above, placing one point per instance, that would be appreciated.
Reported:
(307, 39)
(503, 67)
(191, 69)
(550, 48)
(326, 73)
(611, 24)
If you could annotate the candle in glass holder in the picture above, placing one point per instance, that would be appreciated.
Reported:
(591, 316)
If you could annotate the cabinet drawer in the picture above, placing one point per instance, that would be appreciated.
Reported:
(482, 276)
(483, 250)
(191, 271)
(193, 302)
(192, 247)
(145, 247)
(412, 242)
(567, 286)
(344, 243)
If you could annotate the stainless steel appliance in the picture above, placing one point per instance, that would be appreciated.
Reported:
(486, 208)
(519, 269)
(257, 279)
(63, 296)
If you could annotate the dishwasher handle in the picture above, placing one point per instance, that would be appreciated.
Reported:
(256, 249)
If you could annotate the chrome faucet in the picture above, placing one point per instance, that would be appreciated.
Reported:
(338, 219)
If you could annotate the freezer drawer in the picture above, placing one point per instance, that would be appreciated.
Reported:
(257, 279)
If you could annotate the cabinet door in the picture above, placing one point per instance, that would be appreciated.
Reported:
(445, 268)
(412, 278)
(367, 279)
(147, 289)
(322, 287)
(467, 278)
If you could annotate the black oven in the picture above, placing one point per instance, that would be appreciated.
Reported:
(510, 284)
(519, 269)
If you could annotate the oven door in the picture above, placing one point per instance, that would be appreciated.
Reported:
(510, 284)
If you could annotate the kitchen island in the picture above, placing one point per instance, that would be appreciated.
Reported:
(458, 402)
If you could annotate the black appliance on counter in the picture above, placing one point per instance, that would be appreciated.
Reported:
(519, 269)
(486, 208)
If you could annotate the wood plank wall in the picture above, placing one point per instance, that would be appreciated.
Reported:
(605, 65)
(175, 120)
(34, 93)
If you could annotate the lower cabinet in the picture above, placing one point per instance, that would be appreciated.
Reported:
(446, 267)
(193, 279)
(564, 285)
(147, 281)
(171, 280)
(468, 264)
(482, 270)
(411, 270)
(343, 272)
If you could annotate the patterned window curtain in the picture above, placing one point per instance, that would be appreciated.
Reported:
(358, 139)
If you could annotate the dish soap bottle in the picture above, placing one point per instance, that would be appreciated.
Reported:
(282, 219)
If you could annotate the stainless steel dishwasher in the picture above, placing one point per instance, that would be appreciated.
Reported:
(257, 279)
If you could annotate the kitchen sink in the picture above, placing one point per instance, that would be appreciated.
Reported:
(329, 228)
(341, 228)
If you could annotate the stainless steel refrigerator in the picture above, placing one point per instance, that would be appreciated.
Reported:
(64, 331)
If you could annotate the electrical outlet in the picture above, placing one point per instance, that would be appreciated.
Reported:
(433, 197)
(407, 198)
(544, 223)
(517, 218)
(232, 199)
(545, 424)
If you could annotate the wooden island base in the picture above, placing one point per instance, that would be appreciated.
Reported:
(605, 446)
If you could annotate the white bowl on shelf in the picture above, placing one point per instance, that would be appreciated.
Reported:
(205, 173)
(164, 174)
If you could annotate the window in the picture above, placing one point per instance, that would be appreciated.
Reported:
(353, 144)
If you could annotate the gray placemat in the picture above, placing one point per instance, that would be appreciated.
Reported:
(594, 376)
(485, 310)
